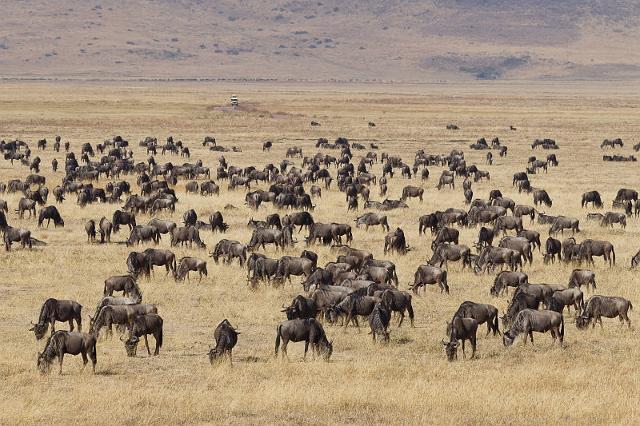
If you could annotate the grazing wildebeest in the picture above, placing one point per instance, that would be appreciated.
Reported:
(625, 194)
(49, 213)
(372, 219)
(590, 248)
(300, 219)
(379, 321)
(352, 306)
(190, 217)
(225, 337)
(90, 229)
(580, 277)
(138, 264)
(527, 321)
(490, 257)
(217, 222)
(65, 342)
(604, 306)
(504, 223)
(159, 257)
(429, 274)
(301, 307)
(16, 235)
(395, 241)
(540, 196)
(485, 238)
(610, 218)
(412, 192)
(288, 266)
(532, 236)
(143, 233)
(163, 226)
(123, 218)
(562, 222)
(53, 310)
(186, 234)
(545, 219)
(592, 197)
(230, 249)
(262, 236)
(522, 210)
(520, 245)
(108, 313)
(506, 279)
(398, 301)
(611, 143)
(445, 235)
(308, 330)
(553, 247)
(26, 204)
(463, 329)
(144, 325)
(187, 264)
(567, 297)
(445, 252)
(125, 283)
(446, 180)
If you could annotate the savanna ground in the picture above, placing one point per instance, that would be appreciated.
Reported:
(593, 379)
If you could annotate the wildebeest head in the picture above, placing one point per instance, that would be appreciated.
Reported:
(131, 344)
(44, 364)
(325, 348)
(582, 321)
(39, 329)
(451, 349)
(508, 338)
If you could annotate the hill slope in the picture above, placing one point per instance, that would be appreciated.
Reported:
(322, 40)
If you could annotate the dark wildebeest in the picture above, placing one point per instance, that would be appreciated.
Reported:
(485, 238)
(25, 204)
(372, 219)
(592, 197)
(412, 192)
(527, 321)
(262, 236)
(225, 337)
(230, 249)
(504, 223)
(163, 226)
(105, 228)
(481, 313)
(445, 235)
(53, 310)
(65, 342)
(187, 264)
(379, 321)
(428, 221)
(49, 213)
(540, 196)
(159, 257)
(301, 307)
(590, 248)
(463, 329)
(90, 229)
(288, 266)
(446, 252)
(446, 180)
(15, 235)
(532, 236)
(144, 325)
(522, 210)
(143, 233)
(352, 306)
(117, 310)
(611, 143)
(567, 297)
(429, 274)
(624, 194)
(123, 218)
(562, 222)
(125, 283)
(507, 279)
(300, 219)
(611, 217)
(604, 306)
(490, 257)
(217, 222)
(580, 277)
(398, 301)
(190, 217)
(635, 260)
(395, 241)
(308, 330)
(138, 264)
(186, 234)
(519, 244)
(553, 247)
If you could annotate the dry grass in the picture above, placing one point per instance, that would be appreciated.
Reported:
(593, 379)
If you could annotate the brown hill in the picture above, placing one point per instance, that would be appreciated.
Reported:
(321, 40)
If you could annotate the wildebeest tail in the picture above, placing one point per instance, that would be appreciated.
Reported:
(613, 251)
(278, 338)
(160, 337)
(562, 326)
(410, 310)
(630, 306)
(444, 281)
(496, 328)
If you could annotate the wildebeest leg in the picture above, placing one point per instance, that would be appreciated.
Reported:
(306, 348)
(84, 359)
(71, 324)
(464, 355)
(146, 343)
(401, 318)
(60, 358)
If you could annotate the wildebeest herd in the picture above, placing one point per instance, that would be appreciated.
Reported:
(352, 286)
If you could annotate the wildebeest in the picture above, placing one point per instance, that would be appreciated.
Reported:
(123, 218)
(308, 330)
(187, 264)
(352, 306)
(379, 321)
(138, 264)
(226, 338)
(429, 274)
(49, 213)
(625, 194)
(567, 297)
(553, 247)
(528, 320)
(445, 252)
(592, 197)
(289, 265)
(25, 204)
(65, 342)
(144, 325)
(372, 219)
(611, 143)
(230, 249)
(590, 248)
(300, 219)
(506, 279)
(445, 235)
(301, 307)
(604, 306)
(143, 233)
(462, 329)
(90, 229)
(412, 192)
(16, 235)
(395, 241)
(262, 236)
(117, 311)
(562, 222)
(160, 257)
(398, 301)
(186, 234)
(504, 223)
(610, 218)
(522, 210)
(490, 257)
(125, 283)
(540, 196)
(105, 227)
(580, 277)
(53, 310)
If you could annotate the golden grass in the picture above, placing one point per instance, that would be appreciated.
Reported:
(593, 379)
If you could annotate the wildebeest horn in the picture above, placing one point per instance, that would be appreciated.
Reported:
(444, 343)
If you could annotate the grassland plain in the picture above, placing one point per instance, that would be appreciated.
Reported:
(594, 379)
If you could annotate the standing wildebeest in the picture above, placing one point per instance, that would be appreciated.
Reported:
(90, 229)
(143, 233)
(504, 223)
(532, 236)
(428, 221)
(125, 283)
(612, 143)
(226, 338)
(397, 301)
(288, 266)
(105, 228)
(159, 257)
(540, 196)
(445, 235)
(300, 219)
(352, 306)
(527, 321)
(412, 192)
(123, 218)
(190, 217)
(144, 325)
(308, 330)
(481, 313)
(590, 248)
(25, 204)
(610, 218)
(624, 194)
(562, 222)
(217, 222)
(262, 236)
(230, 249)
(372, 219)
(522, 210)
(186, 234)
(65, 342)
(604, 306)
(138, 264)
(163, 226)
(15, 235)
(429, 274)
(580, 277)
(379, 321)
(446, 180)
(567, 297)
(57, 310)
(507, 279)
(395, 241)
(463, 329)
(445, 252)
(553, 247)
(48, 213)
(301, 307)
(490, 257)
(592, 197)
(187, 264)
